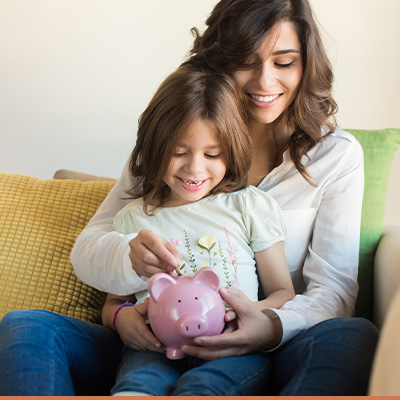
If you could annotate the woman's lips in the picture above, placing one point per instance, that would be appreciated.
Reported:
(264, 101)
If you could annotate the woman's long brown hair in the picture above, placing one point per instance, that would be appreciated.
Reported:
(186, 96)
(235, 30)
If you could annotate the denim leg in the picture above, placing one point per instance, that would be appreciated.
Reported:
(147, 372)
(43, 353)
(332, 358)
(247, 375)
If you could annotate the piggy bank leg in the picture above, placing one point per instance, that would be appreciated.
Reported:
(175, 353)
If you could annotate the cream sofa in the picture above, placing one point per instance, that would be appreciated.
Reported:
(386, 273)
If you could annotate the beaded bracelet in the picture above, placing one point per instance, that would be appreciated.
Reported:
(126, 304)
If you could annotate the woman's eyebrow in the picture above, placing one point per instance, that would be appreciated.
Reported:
(285, 51)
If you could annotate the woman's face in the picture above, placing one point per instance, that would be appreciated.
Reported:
(272, 86)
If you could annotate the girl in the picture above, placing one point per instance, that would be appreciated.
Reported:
(192, 149)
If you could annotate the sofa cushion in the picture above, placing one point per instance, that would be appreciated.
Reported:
(39, 222)
(379, 147)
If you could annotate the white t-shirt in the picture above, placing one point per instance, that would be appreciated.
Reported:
(322, 234)
(222, 231)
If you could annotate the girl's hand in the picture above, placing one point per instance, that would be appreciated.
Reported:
(230, 320)
(151, 254)
(132, 329)
(255, 331)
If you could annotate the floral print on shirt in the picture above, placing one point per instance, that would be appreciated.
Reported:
(220, 254)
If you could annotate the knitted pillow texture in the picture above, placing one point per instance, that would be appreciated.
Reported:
(39, 222)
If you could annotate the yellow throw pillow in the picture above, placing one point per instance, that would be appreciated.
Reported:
(39, 222)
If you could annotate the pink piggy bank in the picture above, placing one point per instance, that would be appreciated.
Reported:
(184, 307)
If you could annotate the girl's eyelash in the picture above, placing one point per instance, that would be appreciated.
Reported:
(213, 155)
(206, 155)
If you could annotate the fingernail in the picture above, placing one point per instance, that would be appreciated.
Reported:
(174, 263)
(158, 345)
(224, 289)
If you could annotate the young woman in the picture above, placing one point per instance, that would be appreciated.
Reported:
(273, 51)
(192, 152)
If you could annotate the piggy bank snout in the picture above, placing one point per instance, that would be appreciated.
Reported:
(192, 325)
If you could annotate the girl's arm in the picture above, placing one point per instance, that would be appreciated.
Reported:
(274, 276)
(130, 323)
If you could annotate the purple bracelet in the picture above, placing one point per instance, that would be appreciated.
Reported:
(126, 304)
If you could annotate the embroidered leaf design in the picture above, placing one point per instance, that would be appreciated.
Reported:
(192, 260)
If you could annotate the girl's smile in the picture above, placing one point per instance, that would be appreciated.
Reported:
(192, 185)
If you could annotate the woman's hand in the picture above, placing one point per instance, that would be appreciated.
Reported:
(151, 254)
(255, 331)
(132, 329)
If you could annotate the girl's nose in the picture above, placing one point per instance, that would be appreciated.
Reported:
(195, 163)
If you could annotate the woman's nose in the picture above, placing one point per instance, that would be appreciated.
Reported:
(265, 75)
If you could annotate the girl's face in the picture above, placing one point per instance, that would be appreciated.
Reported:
(197, 166)
(272, 86)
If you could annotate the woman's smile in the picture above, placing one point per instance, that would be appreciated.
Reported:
(264, 101)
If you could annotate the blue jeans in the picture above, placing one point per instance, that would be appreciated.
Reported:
(43, 353)
(333, 358)
(156, 375)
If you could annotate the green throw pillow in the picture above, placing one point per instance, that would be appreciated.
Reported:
(379, 147)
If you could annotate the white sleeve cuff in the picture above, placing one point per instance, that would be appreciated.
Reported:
(292, 323)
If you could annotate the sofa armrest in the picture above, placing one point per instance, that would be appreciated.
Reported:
(386, 272)
(80, 176)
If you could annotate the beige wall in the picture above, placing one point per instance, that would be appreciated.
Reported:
(361, 37)
(76, 74)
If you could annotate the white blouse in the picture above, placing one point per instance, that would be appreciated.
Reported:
(322, 235)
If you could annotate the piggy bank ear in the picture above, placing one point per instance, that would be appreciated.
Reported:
(158, 283)
(208, 276)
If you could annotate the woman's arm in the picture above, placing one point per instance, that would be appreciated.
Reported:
(100, 256)
(255, 330)
(330, 267)
(105, 259)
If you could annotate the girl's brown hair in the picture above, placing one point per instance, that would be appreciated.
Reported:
(186, 96)
(236, 29)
